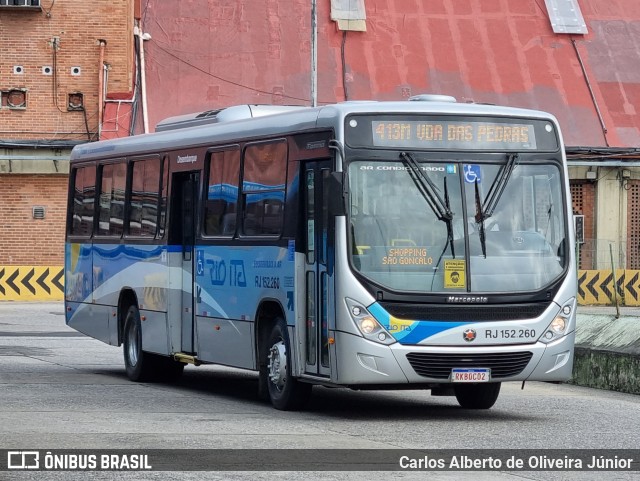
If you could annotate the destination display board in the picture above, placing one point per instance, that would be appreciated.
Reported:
(473, 134)
(453, 135)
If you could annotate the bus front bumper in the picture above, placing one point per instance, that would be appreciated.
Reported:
(362, 362)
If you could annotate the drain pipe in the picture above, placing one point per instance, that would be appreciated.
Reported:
(102, 43)
(314, 54)
(143, 83)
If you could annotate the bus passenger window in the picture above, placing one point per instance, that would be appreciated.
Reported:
(263, 188)
(111, 200)
(83, 201)
(220, 208)
(143, 211)
(263, 213)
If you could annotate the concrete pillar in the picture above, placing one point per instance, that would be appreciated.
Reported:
(611, 217)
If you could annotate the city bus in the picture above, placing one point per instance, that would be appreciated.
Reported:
(423, 244)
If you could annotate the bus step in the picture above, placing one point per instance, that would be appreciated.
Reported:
(186, 358)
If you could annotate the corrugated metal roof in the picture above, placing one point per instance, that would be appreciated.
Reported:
(211, 54)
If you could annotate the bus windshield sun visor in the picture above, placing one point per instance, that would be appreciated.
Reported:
(485, 210)
(441, 208)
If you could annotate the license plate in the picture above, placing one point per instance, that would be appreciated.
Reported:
(470, 375)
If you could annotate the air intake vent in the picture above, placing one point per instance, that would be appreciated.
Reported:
(432, 98)
(207, 114)
(237, 112)
(38, 212)
(439, 365)
(14, 98)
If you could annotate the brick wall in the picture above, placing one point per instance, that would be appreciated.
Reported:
(27, 37)
(63, 35)
(23, 239)
(633, 224)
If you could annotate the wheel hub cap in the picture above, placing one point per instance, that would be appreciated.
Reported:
(278, 365)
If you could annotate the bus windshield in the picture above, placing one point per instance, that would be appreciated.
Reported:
(459, 227)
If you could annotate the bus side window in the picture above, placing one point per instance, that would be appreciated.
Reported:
(229, 224)
(84, 189)
(111, 200)
(250, 225)
(164, 193)
(145, 196)
(263, 188)
(221, 203)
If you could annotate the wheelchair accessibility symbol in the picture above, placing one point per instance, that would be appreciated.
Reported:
(200, 262)
(472, 173)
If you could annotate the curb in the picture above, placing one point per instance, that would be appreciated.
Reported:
(607, 352)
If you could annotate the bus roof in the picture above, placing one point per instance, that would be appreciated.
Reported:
(207, 128)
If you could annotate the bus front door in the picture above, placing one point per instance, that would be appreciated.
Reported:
(318, 273)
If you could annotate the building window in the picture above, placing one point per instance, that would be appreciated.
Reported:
(24, 4)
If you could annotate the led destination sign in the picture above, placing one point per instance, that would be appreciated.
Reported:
(445, 134)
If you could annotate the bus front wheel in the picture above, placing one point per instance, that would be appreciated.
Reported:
(477, 396)
(286, 393)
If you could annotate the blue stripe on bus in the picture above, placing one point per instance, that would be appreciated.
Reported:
(425, 329)
(111, 251)
(418, 330)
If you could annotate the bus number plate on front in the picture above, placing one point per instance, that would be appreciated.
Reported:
(470, 375)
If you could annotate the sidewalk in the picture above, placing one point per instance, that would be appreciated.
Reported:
(608, 348)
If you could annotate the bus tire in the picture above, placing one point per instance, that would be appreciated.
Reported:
(477, 396)
(286, 393)
(140, 366)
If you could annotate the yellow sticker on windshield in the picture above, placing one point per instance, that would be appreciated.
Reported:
(454, 274)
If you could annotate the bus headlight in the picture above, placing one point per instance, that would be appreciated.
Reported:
(368, 326)
(560, 323)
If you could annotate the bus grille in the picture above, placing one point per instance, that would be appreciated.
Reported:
(475, 313)
(438, 365)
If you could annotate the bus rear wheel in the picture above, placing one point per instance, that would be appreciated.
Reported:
(144, 366)
(477, 396)
(286, 393)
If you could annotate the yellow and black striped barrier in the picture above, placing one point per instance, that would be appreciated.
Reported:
(596, 287)
(31, 283)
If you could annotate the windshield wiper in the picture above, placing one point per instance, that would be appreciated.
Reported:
(480, 221)
(428, 189)
(485, 210)
(449, 222)
(440, 207)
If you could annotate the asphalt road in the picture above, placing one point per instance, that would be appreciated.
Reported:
(62, 390)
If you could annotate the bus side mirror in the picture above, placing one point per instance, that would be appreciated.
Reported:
(335, 196)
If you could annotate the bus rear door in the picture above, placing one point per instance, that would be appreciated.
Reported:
(185, 188)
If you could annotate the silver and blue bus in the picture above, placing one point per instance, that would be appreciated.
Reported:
(423, 244)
